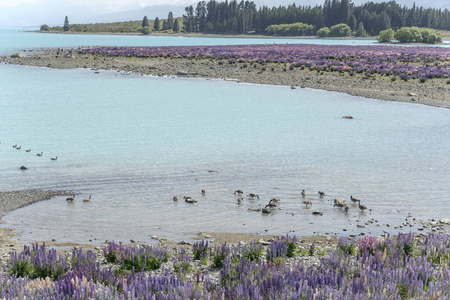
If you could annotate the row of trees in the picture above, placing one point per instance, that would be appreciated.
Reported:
(168, 24)
(243, 16)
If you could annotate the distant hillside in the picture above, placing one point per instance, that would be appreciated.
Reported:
(160, 11)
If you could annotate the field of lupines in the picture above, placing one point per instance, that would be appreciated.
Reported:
(396, 62)
(397, 267)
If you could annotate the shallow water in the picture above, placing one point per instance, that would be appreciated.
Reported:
(133, 142)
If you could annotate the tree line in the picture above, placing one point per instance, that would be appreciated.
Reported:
(243, 17)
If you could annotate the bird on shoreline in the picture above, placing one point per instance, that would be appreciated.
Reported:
(239, 192)
(39, 154)
(321, 194)
(239, 200)
(87, 199)
(54, 158)
(303, 193)
(339, 201)
(71, 199)
(203, 192)
(175, 198)
(307, 202)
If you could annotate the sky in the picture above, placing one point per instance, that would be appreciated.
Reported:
(52, 12)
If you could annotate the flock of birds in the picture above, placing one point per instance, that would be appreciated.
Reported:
(274, 202)
(29, 150)
(71, 199)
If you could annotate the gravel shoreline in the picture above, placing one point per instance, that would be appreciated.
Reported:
(12, 200)
(434, 92)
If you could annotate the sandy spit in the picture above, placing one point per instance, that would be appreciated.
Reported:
(434, 92)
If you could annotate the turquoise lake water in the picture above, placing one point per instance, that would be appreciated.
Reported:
(133, 142)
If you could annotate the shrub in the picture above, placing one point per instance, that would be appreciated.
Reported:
(44, 27)
(386, 35)
(418, 35)
(323, 32)
(146, 30)
(340, 30)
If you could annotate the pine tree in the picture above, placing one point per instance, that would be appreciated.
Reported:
(156, 24)
(170, 20)
(176, 26)
(164, 26)
(66, 24)
(145, 22)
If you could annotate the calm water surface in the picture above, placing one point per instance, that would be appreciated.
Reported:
(133, 142)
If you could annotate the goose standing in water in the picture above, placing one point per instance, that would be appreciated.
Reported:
(54, 158)
(28, 150)
(39, 154)
(354, 200)
(71, 199)
(307, 202)
(203, 192)
(362, 207)
(239, 200)
(175, 198)
(239, 192)
(251, 195)
(303, 193)
(321, 194)
(87, 199)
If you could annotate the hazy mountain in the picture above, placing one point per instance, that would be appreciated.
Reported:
(52, 12)
(160, 11)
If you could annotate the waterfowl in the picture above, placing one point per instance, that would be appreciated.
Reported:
(274, 202)
(362, 207)
(54, 158)
(28, 150)
(203, 192)
(189, 199)
(354, 200)
(339, 201)
(175, 198)
(321, 194)
(251, 195)
(239, 200)
(346, 208)
(39, 154)
(307, 202)
(266, 210)
(339, 204)
(14, 146)
(303, 193)
(18, 148)
(71, 199)
(239, 192)
(87, 199)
